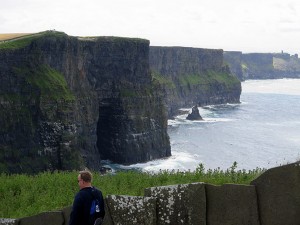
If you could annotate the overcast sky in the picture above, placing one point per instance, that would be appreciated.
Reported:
(240, 25)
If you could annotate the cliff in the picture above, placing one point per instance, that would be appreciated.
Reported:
(67, 102)
(193, 76)
(234, 61)
(263, 65)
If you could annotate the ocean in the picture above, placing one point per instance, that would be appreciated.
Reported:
(262, 131)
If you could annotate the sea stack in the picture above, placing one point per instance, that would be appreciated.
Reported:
(194, 115)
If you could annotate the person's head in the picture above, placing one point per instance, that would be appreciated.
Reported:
(85, 179)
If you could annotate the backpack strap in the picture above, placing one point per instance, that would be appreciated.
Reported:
(95, 208)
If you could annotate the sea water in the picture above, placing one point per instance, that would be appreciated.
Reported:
(262, 131)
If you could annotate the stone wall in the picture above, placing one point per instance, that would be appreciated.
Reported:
(271, 199)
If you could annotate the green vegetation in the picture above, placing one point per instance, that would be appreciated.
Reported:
(258, 62)
(244, 66)
(208, 78)
(279, 64)
(117, 40)
(24, 195)
(9, 36)
(128, 93)
(291, 64)
(20, 42)
(23, 41)
(162, 80)
(51, 83)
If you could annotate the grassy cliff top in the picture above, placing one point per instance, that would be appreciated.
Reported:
(21, 40)
(5, 37)
(110, 38)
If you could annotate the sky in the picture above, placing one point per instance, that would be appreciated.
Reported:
(231, 25)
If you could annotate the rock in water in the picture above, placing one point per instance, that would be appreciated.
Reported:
(195, 115)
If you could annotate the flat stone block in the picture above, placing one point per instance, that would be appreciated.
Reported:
(46, 218)
(278, 191)
(66, 214)
(107, 218)
(180, 204)
(231, 204)
(131, 210)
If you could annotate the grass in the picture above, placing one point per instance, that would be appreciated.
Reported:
(21, 41)
(4, 37)
(291, 64)
(203, 82)
(18, 42)
(24, 195)
(128, 93)
(51, 83)
(208, 78)
(163, 80)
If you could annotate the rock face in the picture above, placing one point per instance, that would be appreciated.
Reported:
(272, 199)
(234, 61)
(263, 65)
(66, 102)
(193, 76)
(194, 115)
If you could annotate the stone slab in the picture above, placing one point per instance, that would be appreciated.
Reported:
(46, 218)
(231, 204)
(180, 204)
(7, 221)
(278, 191)
(66, 214)
(131, 210)
(107, 218)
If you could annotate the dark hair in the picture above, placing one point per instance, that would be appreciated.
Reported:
(86, 176)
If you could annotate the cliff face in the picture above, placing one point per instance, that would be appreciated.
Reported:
(234, 61)
(257, 65)
(263, 65)
(66, 102)
(193, 76)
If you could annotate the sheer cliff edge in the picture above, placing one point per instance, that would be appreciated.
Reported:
(68, 102)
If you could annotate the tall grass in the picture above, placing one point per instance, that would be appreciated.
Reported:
(25, 195)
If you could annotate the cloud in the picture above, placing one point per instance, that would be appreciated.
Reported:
(290, 29)
(232, 24)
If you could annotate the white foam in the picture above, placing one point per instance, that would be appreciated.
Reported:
(207, 113)
(213, 120)
(220, 148)
(182, 161)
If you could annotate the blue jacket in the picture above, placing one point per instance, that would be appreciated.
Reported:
(82, 204)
